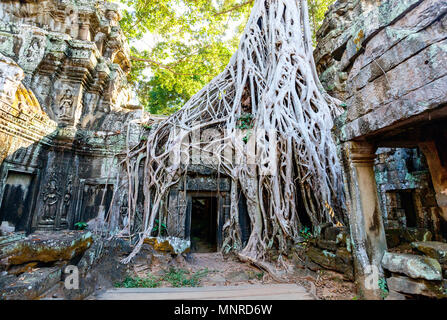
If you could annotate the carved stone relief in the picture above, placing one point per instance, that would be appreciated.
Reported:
(32, 50)
(51, 201)
(66, 105)
(67, 202)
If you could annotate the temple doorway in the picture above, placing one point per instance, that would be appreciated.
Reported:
(204, 224)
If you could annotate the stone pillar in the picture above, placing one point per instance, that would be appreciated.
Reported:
(84, 27)
(438, 172)
(365, 216)
(84, 32)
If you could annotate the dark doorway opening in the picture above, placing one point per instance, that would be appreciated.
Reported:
(407, 204)
(17, 200)
(244, 219)
(204, 224)
(302, 211)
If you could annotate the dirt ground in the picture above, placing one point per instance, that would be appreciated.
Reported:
(220, 271)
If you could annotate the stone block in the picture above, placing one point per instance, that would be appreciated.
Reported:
(29, 285)
(341, 261)
(433, 289)
(331, 233)
(46, 247)
(327, 245)
(394, 295)
(417, 267)
(434, 249)
(416, 234)
(169, 244)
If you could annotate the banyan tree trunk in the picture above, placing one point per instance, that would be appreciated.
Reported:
(270, 110)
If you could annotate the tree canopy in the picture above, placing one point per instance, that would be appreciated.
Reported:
(180, 45)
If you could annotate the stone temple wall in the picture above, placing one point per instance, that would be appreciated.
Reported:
(387, 62)
(64, 112)
(406, 192)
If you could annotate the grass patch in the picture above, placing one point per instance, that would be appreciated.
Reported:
(183, 278)
(136, 282)
(175, 277)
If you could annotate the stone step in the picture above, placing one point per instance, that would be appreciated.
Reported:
(249, 292)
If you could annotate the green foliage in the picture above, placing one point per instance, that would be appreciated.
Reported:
(306, 233)
(179, 277)
(178, 46)
(136, 282)
(245, 121)
(317, 9)
(247, 137)
(190, 42)
(175, 277)
(146, 126)
(383, 288)
(157, 225)
(81, 225)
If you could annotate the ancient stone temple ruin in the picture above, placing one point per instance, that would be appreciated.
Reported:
(64, 111)
(67, 124)
(388, 63)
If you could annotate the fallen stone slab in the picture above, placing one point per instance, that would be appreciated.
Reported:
(433, 249)
(340, 261)
(417, 267)
(327, 244)
(416, 234)
(169, 244)
(394, 295)
(433, 289)
(46, 247)
(29, 285)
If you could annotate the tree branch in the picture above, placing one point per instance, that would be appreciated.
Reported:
(234, 8)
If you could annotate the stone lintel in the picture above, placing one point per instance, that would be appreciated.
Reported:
(362, 153)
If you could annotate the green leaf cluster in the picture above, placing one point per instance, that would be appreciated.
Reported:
(157, 225)
(190, 42)
(317, 10)
(178, 46)
(81, 225)
(306, 233)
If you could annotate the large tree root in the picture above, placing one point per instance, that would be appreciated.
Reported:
(268, 99)
(265, 266)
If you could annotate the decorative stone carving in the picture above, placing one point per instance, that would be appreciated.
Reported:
(66, 202)
(51, 200)
(61, 63)
(66, 105)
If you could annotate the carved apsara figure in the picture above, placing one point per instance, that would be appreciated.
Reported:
(51, 199)
(66, 104)
(67, 200)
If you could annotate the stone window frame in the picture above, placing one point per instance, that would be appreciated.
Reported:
(36, 172)
(80, 198)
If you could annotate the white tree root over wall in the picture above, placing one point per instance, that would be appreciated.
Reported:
(271, 76)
